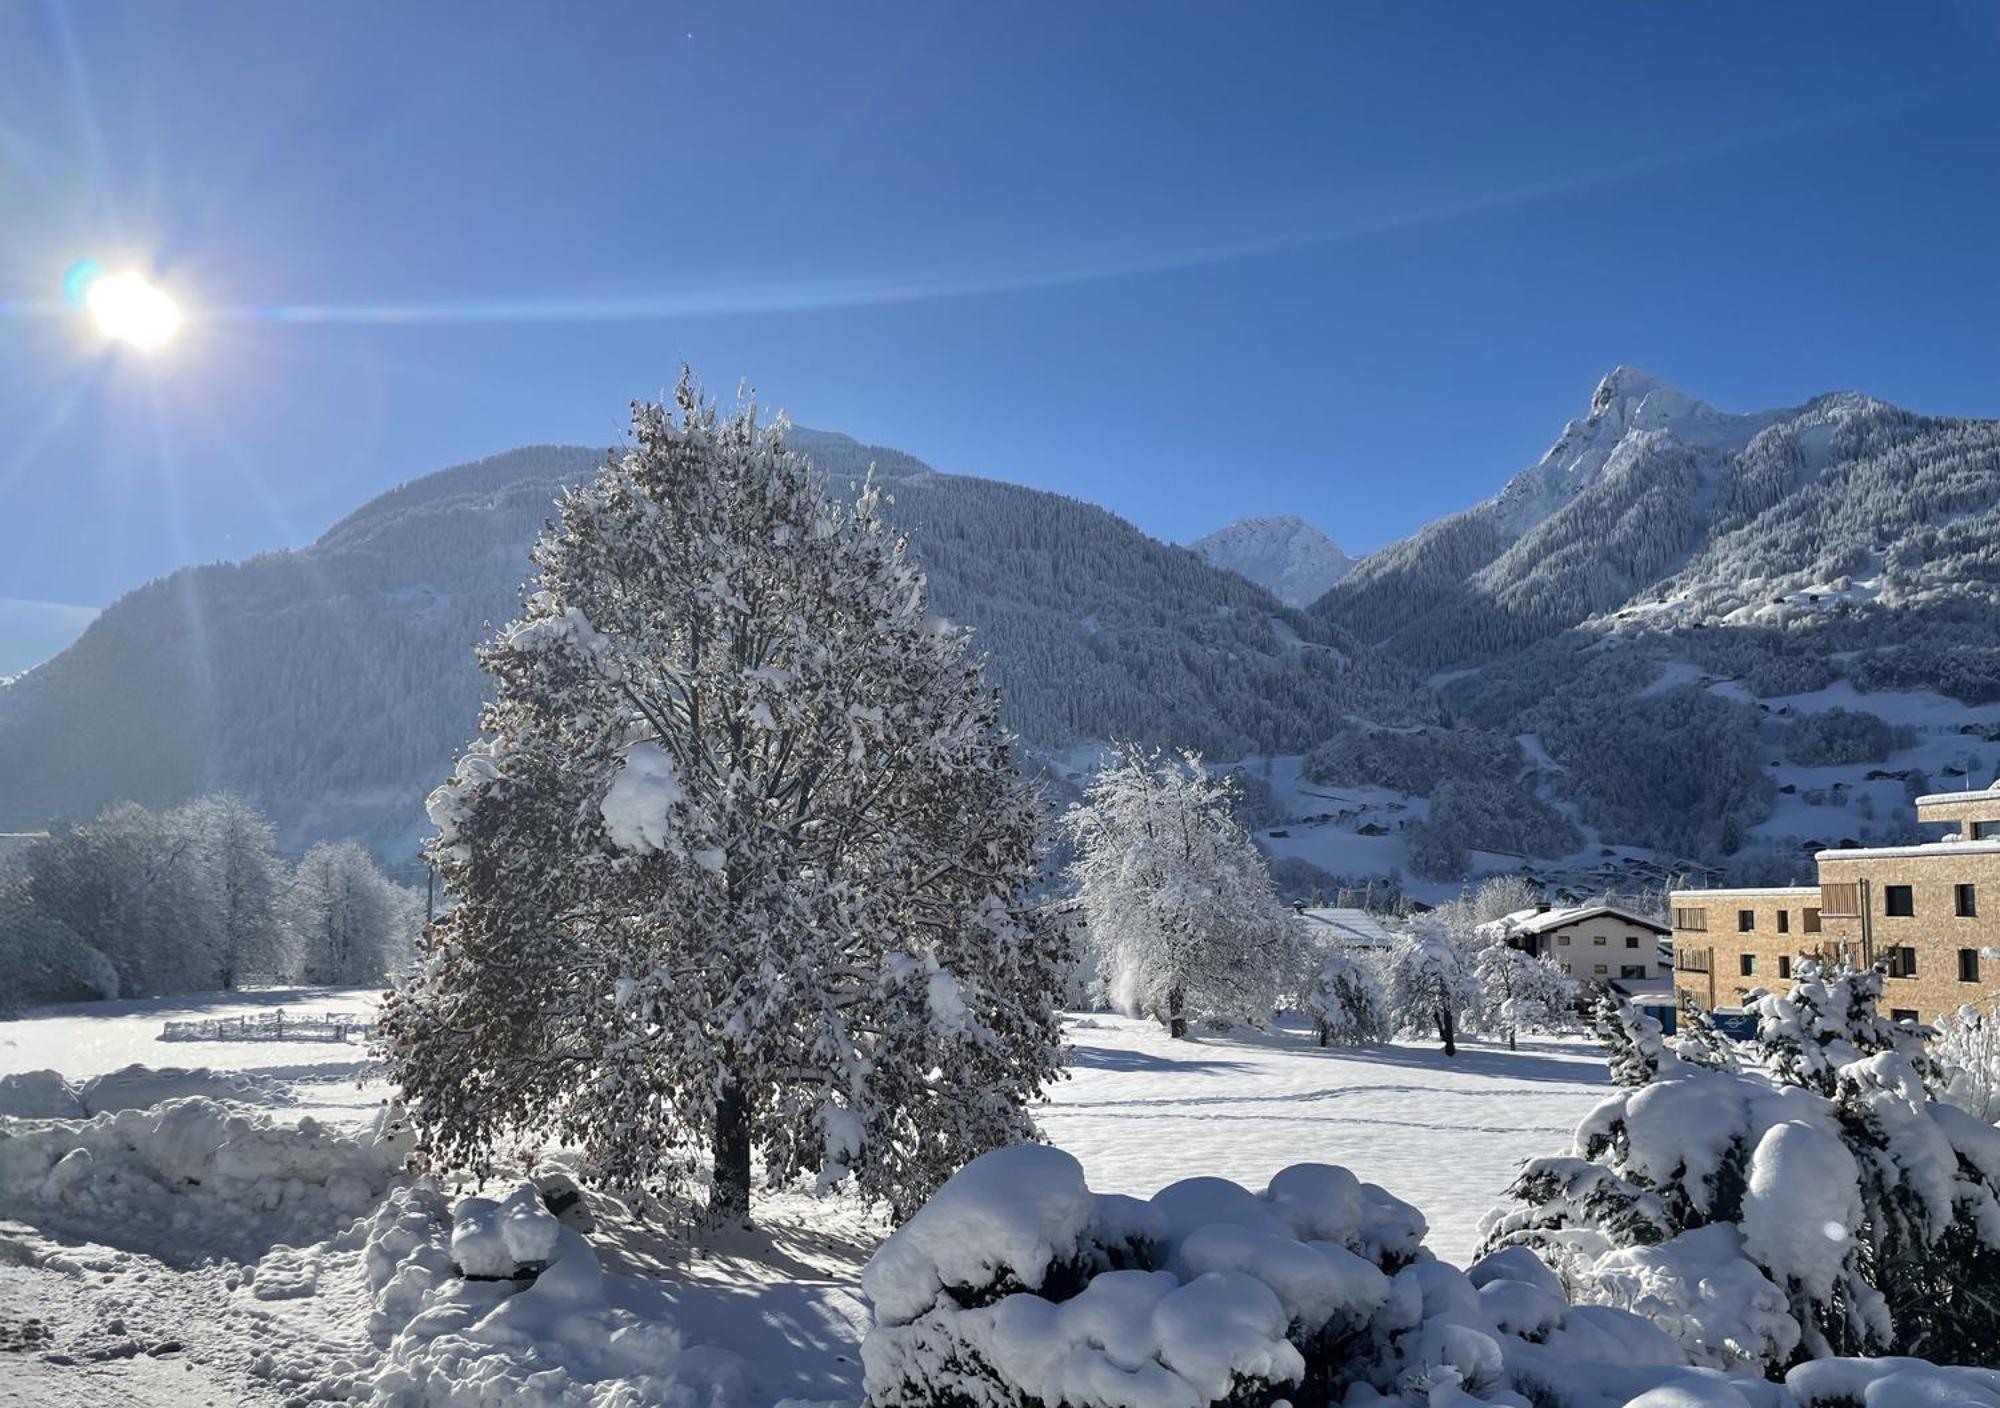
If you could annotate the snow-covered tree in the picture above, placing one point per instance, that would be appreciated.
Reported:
(1968, 1048)
(1347, 1004)
(1810, 1207)
(346, 922)
(740, 858)
(1829, 1019)
(1521, 992)
(1431, 985)
(233, 845)
(1174, 894)
(1635, 1043)
(1701, 1043)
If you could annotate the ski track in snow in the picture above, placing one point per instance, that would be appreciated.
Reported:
(1139, 1110)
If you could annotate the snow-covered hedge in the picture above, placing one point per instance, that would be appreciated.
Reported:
(1016, 1285)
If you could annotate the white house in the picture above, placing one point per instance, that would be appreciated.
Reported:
(1600, 942)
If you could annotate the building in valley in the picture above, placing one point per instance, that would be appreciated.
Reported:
(1597, 942)
(1927, 915)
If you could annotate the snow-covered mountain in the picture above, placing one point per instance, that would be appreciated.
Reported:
(1286, 556)
(331, 685)
(1655, 503)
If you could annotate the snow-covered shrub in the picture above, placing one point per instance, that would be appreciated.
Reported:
(1635, 1043)
(540, 1324)
(1347, 1004)
(194, 1177)
(1017, 1287)
(1431, 984)
(1174, 894)
(1820, 1204)
(1968, 1050)
(741, 857)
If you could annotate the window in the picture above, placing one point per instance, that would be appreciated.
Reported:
(1986, 830)
(1631, 941)
(1809, 921)
(1599, 941)
(1568, 969)
(1746, 920)
(1601, 968)
(1966, 900)
(1899, 901)
(1900, 962)
(1902, 1014)
(1784, 967)
(1563, 939)
(1784, 921)
(1746, 964)
(1968, 965)
(1843, 900)
(1631, 970)
(1693, 920)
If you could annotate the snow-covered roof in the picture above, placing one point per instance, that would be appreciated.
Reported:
(1928, 848)
(1985, 794)
(1544, 921)
(1750, 891)
(1355, 927)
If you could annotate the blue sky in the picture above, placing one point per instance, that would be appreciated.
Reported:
(1189, 261)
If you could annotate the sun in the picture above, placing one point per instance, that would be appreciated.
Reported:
(130, 308)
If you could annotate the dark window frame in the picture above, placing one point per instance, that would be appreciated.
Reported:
(1904, 895)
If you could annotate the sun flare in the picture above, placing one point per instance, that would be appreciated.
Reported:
(131, 309)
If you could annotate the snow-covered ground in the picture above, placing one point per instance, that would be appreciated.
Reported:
(145, 1323)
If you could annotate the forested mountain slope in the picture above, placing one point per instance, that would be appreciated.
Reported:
(332, 684)
(1656, 503)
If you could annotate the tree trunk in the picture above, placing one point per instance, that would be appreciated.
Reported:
(1447, 1030)
(729, 1195)
(1176, 1018)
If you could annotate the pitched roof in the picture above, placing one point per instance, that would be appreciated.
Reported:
(1544, 921)
(1354, 927)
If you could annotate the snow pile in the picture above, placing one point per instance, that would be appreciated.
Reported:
(194, 1178)
(544, 1327)
(1017, 1285)
(39, 1095)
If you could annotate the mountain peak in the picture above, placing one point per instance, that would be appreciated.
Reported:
(1285, 555)
(1629, 385)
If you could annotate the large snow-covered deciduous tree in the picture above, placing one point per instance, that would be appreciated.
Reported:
(234, 845)
(1431, 984)
(348, 923)
(741, 858)
(1175, 897)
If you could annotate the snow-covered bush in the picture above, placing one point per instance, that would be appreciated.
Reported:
(1635, 1043)
(1017, 1287)
(1346, 1004)
(1431, 984)
(1968, 1049)
(741, 856)
(1821, 1204)
(494, 1302)
(1174, 894)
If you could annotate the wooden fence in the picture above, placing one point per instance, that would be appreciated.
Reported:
(272, 1026)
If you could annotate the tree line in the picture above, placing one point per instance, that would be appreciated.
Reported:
(138, 903)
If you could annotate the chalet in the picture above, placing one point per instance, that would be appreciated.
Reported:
(1353, 929)
(1596, 942)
